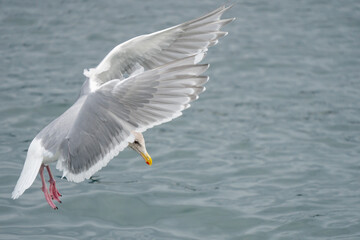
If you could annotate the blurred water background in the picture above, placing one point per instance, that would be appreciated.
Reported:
(269, 151)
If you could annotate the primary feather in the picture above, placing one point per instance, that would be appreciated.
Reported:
(152, 50)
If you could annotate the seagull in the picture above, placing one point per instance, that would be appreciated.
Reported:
(141, 83)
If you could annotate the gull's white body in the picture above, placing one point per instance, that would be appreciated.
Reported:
(141, 83)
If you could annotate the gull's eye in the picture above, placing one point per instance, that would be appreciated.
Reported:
(136, 142)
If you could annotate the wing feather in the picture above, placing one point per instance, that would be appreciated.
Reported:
(109, 115)
(153, 50)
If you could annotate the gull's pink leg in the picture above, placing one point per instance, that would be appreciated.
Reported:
(53, 191)
(44, 188)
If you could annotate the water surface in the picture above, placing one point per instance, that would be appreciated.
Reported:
(269, 151)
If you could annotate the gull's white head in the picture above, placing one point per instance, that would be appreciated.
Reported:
(139, 146)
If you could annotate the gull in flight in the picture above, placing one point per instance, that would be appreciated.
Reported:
(141, 83)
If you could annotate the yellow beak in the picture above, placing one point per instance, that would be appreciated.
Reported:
(147, 158)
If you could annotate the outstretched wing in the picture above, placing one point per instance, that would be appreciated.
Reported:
(107, 117)
(152, 50)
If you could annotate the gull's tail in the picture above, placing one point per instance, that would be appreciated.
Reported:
(31, 168)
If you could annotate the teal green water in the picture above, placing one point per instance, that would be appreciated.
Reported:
(270, 150)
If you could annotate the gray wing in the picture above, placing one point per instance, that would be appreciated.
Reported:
(153, 50)
(107, 117)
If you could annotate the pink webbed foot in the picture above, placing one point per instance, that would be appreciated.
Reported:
(54, 193)
(48, 197)
(45, 190)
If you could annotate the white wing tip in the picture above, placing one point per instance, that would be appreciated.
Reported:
(16, 194)
(198, 57)
(34, 158)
